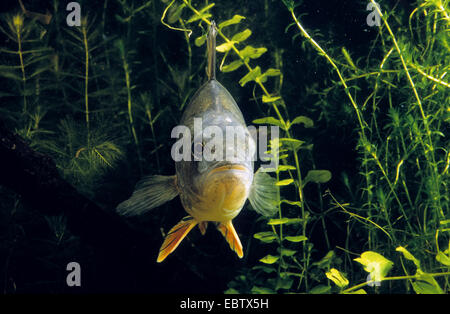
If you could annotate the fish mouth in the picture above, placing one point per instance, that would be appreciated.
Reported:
(228, 168)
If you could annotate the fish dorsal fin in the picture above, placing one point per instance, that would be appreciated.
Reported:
(264, 194)
(175, 236)
(150, 192)
(227, 230)
(211, 46)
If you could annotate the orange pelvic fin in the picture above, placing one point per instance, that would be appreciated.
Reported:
(202, 226)
(175, 236)
(231, 236)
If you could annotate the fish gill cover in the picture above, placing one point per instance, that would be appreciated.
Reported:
(359, 91)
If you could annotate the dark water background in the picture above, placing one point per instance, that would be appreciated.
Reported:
(31, 261)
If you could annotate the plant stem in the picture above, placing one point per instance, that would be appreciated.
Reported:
(86, 77)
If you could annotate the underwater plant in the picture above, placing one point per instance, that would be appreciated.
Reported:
(362, 161)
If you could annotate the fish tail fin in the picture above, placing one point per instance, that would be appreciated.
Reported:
(150, 192)
(175, 236)
(231, 236)
(202, 226)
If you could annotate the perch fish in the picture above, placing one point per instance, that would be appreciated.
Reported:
(210, 191)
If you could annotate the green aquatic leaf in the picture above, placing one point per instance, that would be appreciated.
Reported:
(443, 258)
(325, 262)
(225, 46)
(292, 143)
(296, 239)
(375, 264)
(234, 65)
(408, 256)
(175, 13)
(285, 167)
(266, 236)
(231, 291)
(282, 221)
(262, 290)
(337, 277)
(242, 35)
(287, 252)
(269, 120)
(278, 221)
(203, 14)
(252, 53)
(317, 176)
(284, 182)
(250, 76)
(284, 283)
(269, 259)
(426, 284)
(268, 73)
(307, 122)
(269, 99)
(266, 269)
(320, 289)
(234, 20)
(199, 41)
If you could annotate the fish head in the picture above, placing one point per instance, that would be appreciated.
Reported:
(219, 176)
(225, 150)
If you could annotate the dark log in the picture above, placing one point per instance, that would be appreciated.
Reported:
(35, 177)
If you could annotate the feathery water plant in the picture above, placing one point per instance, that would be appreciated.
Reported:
(392, 201)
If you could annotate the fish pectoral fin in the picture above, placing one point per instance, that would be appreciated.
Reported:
(264, 194)
(150, 192)
(175, 236)
(202, 226)
(231, 236)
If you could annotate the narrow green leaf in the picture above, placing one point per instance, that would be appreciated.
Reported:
(307, 122)
(269, 259)
(408, 256)
(252, 53)
(287, 252)
(266, 236)
(292, 143)
(284, 182)
(225, 46)
(239, 37)
(198, 17)
(266, 269)
(426, 284)
(317, 176)
(278, 221)
(269, 120)
(348, 58)
(443, 258)
(285, 167)
(234, 20)
(269, 99)
(296, 239)
(232, 66)
(262, 290)
(199, 41)
(250, 76)
(320, 289)
(175, 13)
